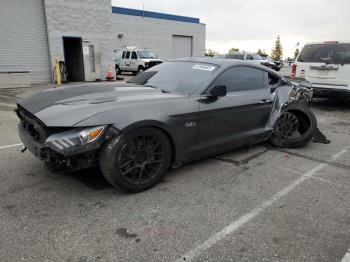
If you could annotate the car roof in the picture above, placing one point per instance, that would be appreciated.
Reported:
(222, 62)
(327, 42)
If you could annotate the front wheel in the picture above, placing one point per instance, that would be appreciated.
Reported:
(137, 160)
(294, 127)
(140, 70)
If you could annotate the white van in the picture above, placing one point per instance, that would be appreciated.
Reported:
(135, 60)
(327, 66)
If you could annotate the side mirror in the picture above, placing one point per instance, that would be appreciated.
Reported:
(217, 91)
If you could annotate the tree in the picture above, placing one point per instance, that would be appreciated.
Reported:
(233, 50)
(277, 51)
(296, 53)
(261, 53)
(211, 53)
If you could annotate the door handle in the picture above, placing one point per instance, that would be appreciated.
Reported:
(265, 101)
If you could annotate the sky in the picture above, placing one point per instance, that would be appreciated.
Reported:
(255, 24)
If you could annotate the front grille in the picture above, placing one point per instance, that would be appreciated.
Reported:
(32, 125)
(153, 63)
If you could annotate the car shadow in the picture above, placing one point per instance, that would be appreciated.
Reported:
(92, 178)
(329, 105)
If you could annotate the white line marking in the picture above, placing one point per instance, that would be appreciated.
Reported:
(327, 181)
(9, 146)
(290, 170)
(235, 225)
(346, 258)
(314, 177)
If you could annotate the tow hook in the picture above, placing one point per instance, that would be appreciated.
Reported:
(24, 148)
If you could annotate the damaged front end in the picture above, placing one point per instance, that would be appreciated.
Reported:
(287, 94)
(62, 148)
(301, 93)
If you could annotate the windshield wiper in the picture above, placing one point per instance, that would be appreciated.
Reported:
(151, 86)
(156, 87)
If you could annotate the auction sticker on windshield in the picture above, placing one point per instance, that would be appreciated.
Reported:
(203, 67)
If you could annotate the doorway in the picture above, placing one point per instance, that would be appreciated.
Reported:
(73, 56)
(182, 46)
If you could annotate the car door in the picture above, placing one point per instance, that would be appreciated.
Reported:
(126, 61)
(133, 61)
(122, 61)
(240, 116)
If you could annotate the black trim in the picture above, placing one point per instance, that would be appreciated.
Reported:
(330, 92)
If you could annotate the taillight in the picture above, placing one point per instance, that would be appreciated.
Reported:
(294, 70)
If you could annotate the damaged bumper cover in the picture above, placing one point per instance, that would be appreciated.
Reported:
(65, 151)
(72, 149)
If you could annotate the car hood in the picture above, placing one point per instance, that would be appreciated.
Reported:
(67, 106)
(147, 60)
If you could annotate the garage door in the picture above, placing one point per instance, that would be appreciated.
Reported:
(23, 40)
(182, 46)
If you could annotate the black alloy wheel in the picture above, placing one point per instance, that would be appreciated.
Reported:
(137, 160)
(141, 159)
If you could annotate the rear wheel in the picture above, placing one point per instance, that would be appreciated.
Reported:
(295, 127)
(117, 70)
(137, 160)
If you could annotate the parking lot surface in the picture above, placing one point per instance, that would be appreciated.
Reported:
(256, 204)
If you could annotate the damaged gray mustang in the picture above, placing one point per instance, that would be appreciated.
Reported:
(171, 114)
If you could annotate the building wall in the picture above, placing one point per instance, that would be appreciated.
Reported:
(23, 41)
(93, 20)
(155, 34)
(89, 19)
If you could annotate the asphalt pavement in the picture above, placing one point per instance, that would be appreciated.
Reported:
(256, 204)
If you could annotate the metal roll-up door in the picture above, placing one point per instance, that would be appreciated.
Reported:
(182, 46)
(23, 39)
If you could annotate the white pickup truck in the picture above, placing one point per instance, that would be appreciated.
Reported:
(135, 60)
(327, 66)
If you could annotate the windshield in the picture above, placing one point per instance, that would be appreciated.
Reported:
(257, 57)
(146, 55)
(177, 77)
(326, 53)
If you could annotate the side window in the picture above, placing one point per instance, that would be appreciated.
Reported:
(273, 81)
(241, 79)
(127, 55)
(249, 57)
(124, 55)
(133, 55)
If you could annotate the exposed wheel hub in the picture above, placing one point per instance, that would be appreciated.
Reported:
(288, 125)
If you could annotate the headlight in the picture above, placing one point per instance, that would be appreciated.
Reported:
(90, 135)
(76, 140)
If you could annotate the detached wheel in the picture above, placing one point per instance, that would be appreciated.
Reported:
(295, 127)
(137, 160)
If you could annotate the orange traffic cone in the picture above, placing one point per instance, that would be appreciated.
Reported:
(110, 76)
